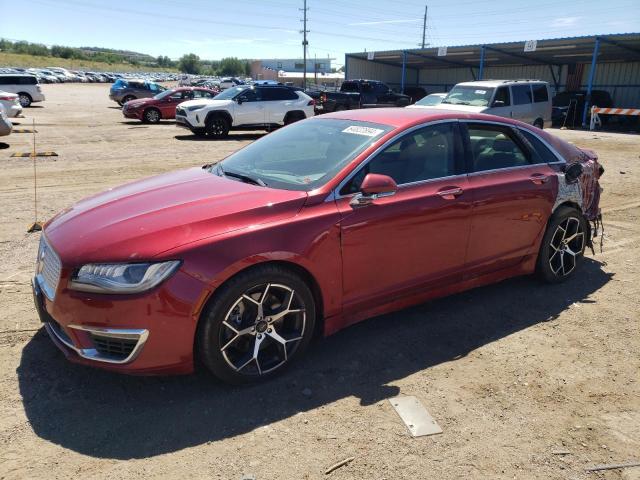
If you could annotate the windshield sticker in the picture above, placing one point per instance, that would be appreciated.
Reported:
(366, 131)
(480, 92)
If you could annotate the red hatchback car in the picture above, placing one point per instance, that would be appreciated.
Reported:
(163, 105)
(310, 229)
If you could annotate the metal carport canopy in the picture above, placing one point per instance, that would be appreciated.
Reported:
(594, 49)
(556, 51)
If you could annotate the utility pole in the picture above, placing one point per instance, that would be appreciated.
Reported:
(304, 44)
(424, 26)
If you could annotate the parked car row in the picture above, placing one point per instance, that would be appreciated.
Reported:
(63, 75)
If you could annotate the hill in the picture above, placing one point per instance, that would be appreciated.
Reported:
(36, 61)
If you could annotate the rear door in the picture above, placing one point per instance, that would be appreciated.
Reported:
(278, 102)
(513, 192)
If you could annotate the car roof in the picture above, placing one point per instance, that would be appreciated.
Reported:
(497, 83)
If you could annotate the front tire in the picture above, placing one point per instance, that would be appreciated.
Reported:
(217, 127)
(151, 115)
(563, 244)
(539, 123)
(256, 325)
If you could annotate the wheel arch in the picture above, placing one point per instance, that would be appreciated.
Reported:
(578, 208)
(295, 112)
(303, 272)
(217, 113)
(25, 93)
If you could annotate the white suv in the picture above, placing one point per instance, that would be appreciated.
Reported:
(26, 86)
(245, 108)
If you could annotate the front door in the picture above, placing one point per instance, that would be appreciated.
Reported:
(416, 237)
(513, 193)
(249, 109)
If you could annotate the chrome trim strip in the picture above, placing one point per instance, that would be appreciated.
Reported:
(335, 194)
(92, 354)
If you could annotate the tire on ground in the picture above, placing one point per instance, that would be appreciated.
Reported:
(549, 267)
(208, 337)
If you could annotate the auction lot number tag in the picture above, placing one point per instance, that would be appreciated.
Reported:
(366, 131)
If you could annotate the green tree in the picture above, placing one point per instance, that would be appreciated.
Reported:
(231, 66)
(190, 63)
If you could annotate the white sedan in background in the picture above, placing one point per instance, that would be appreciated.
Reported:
(5, 124)
(11, 104)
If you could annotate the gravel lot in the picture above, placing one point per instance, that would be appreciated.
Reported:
(526, 380)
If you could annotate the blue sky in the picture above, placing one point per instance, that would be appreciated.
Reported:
(270, 29)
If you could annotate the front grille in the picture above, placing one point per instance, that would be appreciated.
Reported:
(48, 269)
(115, 348)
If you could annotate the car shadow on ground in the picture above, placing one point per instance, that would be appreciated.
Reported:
(4, 146)
(232, 137)
(106, 415)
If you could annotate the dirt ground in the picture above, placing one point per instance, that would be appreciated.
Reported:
(527, 381)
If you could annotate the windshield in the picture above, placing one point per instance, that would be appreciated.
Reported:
(304, 155)
(166, 93)
(469, 95)
(430, 100)
(229, 93)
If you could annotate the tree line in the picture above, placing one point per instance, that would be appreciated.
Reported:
(189, 63)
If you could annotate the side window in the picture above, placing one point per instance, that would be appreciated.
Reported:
(493, 147)
(380, 88)
(153, 87)
(5, 81)
(540, 93)
(178, 96)
(269, 94)
(502, 95)
(521, 94)
(427, 153)
(274, 93)
(202, 94)
(540, 153)
(249, 95)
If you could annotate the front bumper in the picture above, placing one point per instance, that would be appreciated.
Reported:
(142, 334)
(129, 113)
(14, 111)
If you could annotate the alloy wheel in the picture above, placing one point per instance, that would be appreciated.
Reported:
(262, 329)
(152, 115)
(218, 127)
(566, 244)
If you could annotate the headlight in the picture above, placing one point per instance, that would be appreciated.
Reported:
(121, 277)
(195, 107)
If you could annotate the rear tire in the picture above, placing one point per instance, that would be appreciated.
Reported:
(562, 248)
(128, 98)
(217, 127)
(293, 117)
(25, 99)
(256, 325)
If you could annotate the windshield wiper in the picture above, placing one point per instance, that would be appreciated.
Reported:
(241, 176)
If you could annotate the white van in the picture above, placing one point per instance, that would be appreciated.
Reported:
(526, 100)
(26, 86)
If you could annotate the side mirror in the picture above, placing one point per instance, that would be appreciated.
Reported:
(374, 186)
(498, 103)
(572, 172)
(240, 100)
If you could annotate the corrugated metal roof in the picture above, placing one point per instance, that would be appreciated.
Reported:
(618, 47)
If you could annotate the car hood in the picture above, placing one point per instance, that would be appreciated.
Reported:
(460, 108)
(142, 219)
(208, 103)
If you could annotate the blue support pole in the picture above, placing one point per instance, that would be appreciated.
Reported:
(592, 74)
(404, 71)
(346, 76)
(481, 63)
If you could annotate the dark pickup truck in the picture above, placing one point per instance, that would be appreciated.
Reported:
(358, 94)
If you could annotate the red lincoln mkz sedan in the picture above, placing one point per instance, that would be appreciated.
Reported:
(310, 229)
(163, 105)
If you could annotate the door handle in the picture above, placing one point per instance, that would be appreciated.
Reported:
(450, 193)
(539, 178)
